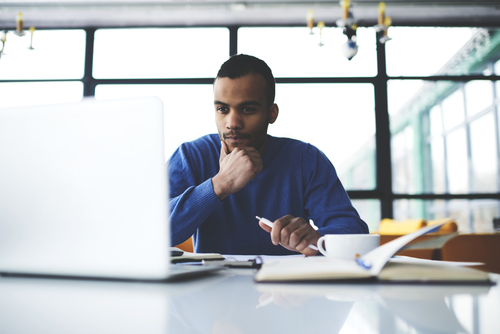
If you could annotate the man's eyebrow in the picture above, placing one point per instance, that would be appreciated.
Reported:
(242, 104)
(250, 103)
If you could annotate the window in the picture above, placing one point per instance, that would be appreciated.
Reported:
(294, 52)
(186, 118)
(470, 215)
(369, 210)
(479, 96)
(457, 171)
(57, 54)
(331, 117)
(453, 110)
(484, 155)
(443, 101)
(160, 53)
(20, 94)
(419, 51)
(402, 161)
(455, 147)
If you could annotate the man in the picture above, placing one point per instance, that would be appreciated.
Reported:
(220, 183)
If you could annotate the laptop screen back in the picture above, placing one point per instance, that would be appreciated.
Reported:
(83, 190)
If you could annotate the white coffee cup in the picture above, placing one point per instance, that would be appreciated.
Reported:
(347, 246)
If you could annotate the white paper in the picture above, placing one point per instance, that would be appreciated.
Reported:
(407, 259)
(376, 259)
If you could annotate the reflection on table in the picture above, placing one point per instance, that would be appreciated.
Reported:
(231, 302)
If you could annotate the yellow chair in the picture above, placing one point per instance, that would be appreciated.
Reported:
(449, 227)
(393, 227)
(187, 245)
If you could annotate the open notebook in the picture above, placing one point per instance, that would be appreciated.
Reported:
(84, 191)
(377, 265)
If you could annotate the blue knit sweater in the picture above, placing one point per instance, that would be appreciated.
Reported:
(296, 179)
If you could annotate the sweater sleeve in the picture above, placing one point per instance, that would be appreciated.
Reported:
(326, 200)
(191, 200)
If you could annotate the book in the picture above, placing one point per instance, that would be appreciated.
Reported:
(377, 265)
(192, 257)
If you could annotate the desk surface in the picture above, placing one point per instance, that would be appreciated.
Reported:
(230, 302)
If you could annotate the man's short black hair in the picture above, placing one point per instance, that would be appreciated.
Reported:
(240, 65)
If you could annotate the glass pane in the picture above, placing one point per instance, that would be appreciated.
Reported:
(459, 210)
(160, 53)
(402, 161)
(179, 107)
(294, 52)
(57, 54)
(333, 118)
(20, 94)
(438, 168)
(436, 121)
(408, 209)
(484, 156)
(401, 92)
(412, 45)
(497, 68)
(457, 170)
(472, 216)
(497, 88)
(435, 209)
(453, 109)
(483, 212)
(478, 95)
(369, 211)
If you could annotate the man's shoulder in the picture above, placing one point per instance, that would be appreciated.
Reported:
(290, 149)
(205, 147)
(291, 144)
(203, 141)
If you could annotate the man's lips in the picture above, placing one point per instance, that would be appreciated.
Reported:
(235, 138)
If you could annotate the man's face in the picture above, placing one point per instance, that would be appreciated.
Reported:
(242, 112)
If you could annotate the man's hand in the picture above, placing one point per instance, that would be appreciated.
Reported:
(294, 234)
(236, 170)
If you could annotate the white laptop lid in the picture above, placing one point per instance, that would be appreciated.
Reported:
(84, 191)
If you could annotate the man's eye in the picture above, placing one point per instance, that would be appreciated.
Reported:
(248, 110)
(221, 110)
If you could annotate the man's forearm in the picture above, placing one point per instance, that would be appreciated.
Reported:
(190, 209)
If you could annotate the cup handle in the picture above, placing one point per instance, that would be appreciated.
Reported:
(321, 249)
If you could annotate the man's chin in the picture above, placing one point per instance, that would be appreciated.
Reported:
(232, 144)
(232, 147)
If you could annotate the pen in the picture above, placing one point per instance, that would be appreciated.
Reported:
(270, 224)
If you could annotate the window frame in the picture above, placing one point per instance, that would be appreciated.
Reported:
(383, 191)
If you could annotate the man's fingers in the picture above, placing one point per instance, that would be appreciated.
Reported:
(223, 150)
(299, 237)
(293, 233)
(250, 157)
(236, 169)
(278, 227)
(265, 227)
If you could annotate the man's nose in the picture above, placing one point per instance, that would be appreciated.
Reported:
(233, 120)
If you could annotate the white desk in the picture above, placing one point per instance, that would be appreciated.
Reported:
(227, 303)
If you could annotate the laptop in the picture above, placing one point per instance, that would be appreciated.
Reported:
(84, 192)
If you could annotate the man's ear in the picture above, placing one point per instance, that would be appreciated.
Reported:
(273, 113)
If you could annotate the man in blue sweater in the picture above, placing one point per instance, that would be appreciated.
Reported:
(219, 183)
